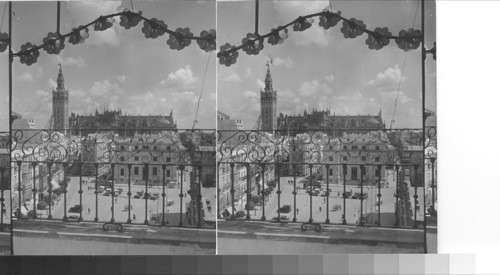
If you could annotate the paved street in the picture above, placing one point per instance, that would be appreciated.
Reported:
(138, 206)
(353, 206)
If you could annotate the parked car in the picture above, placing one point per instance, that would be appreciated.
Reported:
(138, 195)
(336, 207)
(285, 208)
(75, 209)
(282, 218)
(355, 196)
(73, 217)
(170, 202)
(107, 193)
(101, 189)
(119, 191)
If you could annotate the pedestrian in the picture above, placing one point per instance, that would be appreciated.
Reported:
(297, 211)
(324, 200)
(134, 217)
(116, 200)
(89, 210)
(320, 209)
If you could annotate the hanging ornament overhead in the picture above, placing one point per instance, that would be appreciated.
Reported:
(152, 28)
(351, 28)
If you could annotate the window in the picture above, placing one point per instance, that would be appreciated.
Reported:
(354, 173)
(145, 147)
(155, 147)
(344, 147)
(377, 159)
(330, 158)
(363, 158)
(331, 147)
(136, 171)
(122, 158)
(155, 171)
(168, 173)
(344, 158)
(122, 147)
(169, 159)
(363, 147)
(377, 147)
(136, 158)
(355, 147)
(155, 159)
(122, 172)
(136, 147)
(169, 148)
(330, 172)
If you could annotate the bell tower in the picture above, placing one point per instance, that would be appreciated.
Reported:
(268, 104)
(60, 105)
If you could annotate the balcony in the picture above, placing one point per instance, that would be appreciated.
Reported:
(73, 180)
(321, 182)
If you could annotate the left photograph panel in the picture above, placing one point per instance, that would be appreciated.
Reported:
(113, 128)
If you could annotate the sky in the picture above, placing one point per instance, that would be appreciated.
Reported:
(116, 68)
(320, 68)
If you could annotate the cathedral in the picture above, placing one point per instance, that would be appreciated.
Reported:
(317, 120)
(114, 120)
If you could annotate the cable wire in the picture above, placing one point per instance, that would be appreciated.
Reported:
(402, 72)
(3, 15)
(201, 92)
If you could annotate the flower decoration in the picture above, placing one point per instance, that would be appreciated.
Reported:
(352, 28)
(431, 51)
(302, 24)
(409, 40)
(78, 35)
(227, 58)
(252, 45)
(378, 39)
(27, 56)
(180, 40)
(53, 43)
(103, 23)
(4, 41)
(130, 19)
(277, 37)
(154, 28)
(329, 19)
(208, 42)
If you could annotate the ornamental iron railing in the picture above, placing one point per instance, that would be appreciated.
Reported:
(103, 176)
(5, 205)
(348, 176)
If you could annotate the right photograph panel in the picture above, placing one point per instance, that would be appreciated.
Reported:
(326, 127)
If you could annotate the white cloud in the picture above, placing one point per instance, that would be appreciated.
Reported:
(78, 62)
(248, 73)
(234, 77)
(183, 77)
(105, 88)
(391, 97)
(330, 78)
(52, 83)
(387, 79)
(286, 62)
(83, 12)
(313, 88)
(290, 10)
(26, 77)
(121, 78)
(260, 84)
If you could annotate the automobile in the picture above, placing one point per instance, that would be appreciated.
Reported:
(119, 191)
(73, 217)
(170, 202)
(156, 196)
(355, 196)
(315, 192)
(107, 193)
(282, 218)
(101, 189)
(285, 208)
(323, 193)
(75, 209)
(138, 195)
(336, 207)
(365, 195)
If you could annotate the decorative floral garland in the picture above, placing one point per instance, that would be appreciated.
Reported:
(152, 28)
(253, 43)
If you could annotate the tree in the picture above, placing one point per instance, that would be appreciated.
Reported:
(239, 214)
(250, 205)
(41, 205)
(272, 184)
(256, 199)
